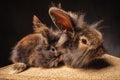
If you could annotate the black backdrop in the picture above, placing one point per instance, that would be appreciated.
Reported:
(16, 21)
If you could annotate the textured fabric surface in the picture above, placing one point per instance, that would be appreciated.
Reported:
(110, 71)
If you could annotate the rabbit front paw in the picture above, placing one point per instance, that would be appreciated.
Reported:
(18, 67)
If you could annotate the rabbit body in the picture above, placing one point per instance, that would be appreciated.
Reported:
(37, 49)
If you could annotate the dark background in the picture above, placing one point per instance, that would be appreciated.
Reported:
(16, 21)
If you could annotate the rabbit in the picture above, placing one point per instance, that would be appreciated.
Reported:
(37, 49)
(84, 41)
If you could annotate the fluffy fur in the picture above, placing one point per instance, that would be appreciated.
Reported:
(37, 49)
(85, 42)
(75, 44)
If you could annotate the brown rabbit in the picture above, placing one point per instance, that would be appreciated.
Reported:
(37, 49)
(85, 42)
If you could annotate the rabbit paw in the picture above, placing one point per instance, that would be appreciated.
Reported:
(18, 67)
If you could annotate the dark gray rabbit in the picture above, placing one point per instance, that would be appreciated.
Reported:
(37, 49)
(84, 42)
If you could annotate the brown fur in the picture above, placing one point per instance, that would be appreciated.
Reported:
(75, 44)
(37, 49)
(85, 42)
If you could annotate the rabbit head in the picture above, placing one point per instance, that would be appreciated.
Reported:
(84, 42)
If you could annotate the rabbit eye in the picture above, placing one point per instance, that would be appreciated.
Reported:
(53, 49)
(84, 41)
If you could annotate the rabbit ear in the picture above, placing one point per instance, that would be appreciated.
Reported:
(61, 19)
(38, 25)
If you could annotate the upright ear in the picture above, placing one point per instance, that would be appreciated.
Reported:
(61, 19)
(38, 26)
